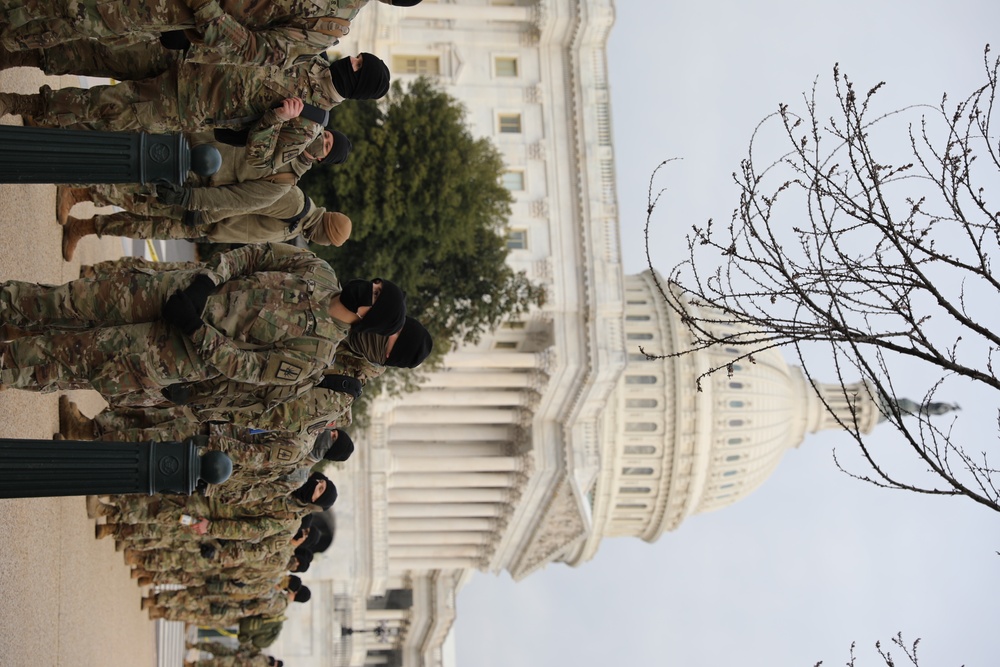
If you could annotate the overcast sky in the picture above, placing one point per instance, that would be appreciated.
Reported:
(813, 560)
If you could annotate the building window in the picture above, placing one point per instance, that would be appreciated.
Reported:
(423, 65)
(732, 457)
(509, 123)
(637, 318)
(514, 324)
(639, 336)
(727, 486)
(641, 402)
(517, 239)
(640, 379)
(504, 345)
(639, 450)
(638, 356)
(634, 470)
(736, 404)
(736, 422)
(640, 427)
(513, 180)
(729, 473)
(505, 66)
(636, 303)
(734, 441)
(633, 489)
(631, 506)
(735, 385)
(732, 350)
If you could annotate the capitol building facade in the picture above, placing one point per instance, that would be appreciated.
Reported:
(555, 432)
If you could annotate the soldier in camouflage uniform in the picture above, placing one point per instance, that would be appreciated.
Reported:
(230, 31)
(265, 315)
(220, 612)
(87, 57)
(193, 97)
(227, 656)
(291, 215)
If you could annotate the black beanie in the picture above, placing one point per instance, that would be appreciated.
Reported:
(303, 594)
(387, 315)
(405, 3)
(294, 583)
(342, 447)
(412, 346)
(369, 83)
(342, 147)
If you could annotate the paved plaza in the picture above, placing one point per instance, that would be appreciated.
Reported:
(67, 599)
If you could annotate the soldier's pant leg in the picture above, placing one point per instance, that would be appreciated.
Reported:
(113, 267)
(87, 57)
(114, 360)
(140, 424)
(149, 104)
(139, 199)
(126, 298)
(139, 226)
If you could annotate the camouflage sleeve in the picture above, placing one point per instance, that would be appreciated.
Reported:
(242, 197)
(274, 367)
(112, 266)
(286, 206)
(252, 530)
(273, 142)
(226, 40)
(261, 257)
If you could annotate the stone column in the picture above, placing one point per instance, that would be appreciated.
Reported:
(451, 480)
(444, 538)
(442, 525)
(478, 13)
(459, 464)
(454, 449)
(433, 511)
(443, 496)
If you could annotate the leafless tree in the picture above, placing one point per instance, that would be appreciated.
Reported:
(909, 651)
(881, 261)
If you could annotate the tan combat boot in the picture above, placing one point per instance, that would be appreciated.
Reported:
(104, 530)
(144, 581)
(74, 230)
(148, 603)
(136, 558)
(66, 198)
(20, 105)
(95, 508)
(73, 424)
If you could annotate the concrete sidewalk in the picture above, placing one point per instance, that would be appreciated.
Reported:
(67, 599)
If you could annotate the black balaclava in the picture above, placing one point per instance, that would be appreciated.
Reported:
(388, 314)
(342, 147)
(304, 558)
(304, 493)
(369, 83)
(405, 3)
(342, 447)
(328, 497)
(356, 294)
(413, 345)
(294, 583)
(303, 594)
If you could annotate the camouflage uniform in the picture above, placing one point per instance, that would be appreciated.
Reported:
(87, 57)
(289, 216)
(267, 325)
(193, 97)
(215, 612)
(227, 656)
(260, 631)
(231, 31)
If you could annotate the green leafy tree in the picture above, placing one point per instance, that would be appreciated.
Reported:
(428, 212)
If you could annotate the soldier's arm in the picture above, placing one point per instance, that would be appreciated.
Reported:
(242, 197)
(273, 143)
(260, 257)
(270, 367)
(286, 206)
(226, 40)
(251, 530)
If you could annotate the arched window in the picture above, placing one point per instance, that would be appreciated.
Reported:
(637, 470)
(640, 450)
(640, 427)
(640, 379)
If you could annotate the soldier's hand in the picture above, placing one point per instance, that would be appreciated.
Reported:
(173, 194)
(181, 313)
(207, 551)
(201, 527)
(198, 292)
(290, 108)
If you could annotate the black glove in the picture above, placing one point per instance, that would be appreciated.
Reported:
(198, 292)
(178, 311)
(345, 384)
(175, 40)
(172, 194)
(192, 218)
(207, 551)
(178, 394)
